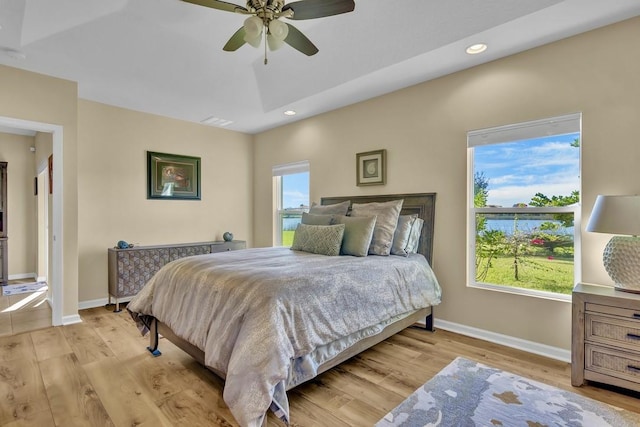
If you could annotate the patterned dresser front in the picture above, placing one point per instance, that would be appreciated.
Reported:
(130, 269)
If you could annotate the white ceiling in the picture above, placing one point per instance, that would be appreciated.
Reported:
(165, 56)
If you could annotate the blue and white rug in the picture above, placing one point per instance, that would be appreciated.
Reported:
(467, 393)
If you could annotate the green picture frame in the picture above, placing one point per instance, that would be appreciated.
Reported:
(173, 176)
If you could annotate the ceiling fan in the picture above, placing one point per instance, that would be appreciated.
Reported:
(265, 15)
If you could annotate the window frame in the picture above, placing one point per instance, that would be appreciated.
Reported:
(513, 133)
(278, 171)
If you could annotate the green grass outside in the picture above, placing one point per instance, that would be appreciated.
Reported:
(287, 237)
(539, 273)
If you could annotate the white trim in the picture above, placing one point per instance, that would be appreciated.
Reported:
(70, 320)
(291, 168)
(506, 340)
(100, 302)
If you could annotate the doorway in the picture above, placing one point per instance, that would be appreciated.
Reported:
(55, 257)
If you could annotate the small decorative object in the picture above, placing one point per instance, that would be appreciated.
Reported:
(621, 257)
(172, 176)
(371, 168)
(227, 236)
(123, 245)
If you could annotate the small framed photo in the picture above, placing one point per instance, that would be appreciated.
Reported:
(371, 168)
(172, 176)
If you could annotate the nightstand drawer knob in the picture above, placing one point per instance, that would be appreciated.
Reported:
(633, 336)
(633, 368)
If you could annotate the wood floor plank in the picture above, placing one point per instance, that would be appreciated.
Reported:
(86, 343)
(73, 399)
(22, 390)
(121, 396)
(40, 419)
(50, 342)
(16, 347)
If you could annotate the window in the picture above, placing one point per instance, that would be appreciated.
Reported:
(291, 199)
(524, 197)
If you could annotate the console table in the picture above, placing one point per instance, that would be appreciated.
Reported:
(130, 269)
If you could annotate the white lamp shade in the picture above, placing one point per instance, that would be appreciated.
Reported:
(616, 215)
(278, 31)
(253, 31)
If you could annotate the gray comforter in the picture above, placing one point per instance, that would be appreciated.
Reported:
(255, 311)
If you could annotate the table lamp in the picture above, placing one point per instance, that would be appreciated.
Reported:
(619, 215)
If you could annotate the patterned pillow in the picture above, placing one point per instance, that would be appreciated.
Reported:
(335, 209)
(401, 236)
(414, 236)
(358, 232)
(387, 220)
(311, 219)
(318, 239)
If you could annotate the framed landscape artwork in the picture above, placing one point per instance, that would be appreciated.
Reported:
(371, 168)
(172, 176)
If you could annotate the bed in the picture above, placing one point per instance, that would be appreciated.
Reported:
(269, 319)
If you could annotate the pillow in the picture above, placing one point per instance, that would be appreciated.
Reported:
(335, 209)
(318, 239)
(414, 236)
(358, 232)
(401, 236)
(387, 220)
(311, 219)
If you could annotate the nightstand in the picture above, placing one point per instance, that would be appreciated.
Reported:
(605, 345)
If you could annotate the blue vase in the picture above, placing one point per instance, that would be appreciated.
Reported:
(227, 236)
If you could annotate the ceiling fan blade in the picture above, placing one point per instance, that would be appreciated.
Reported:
(236, 41)
(300, 42)
(309, 9)
(217, 4)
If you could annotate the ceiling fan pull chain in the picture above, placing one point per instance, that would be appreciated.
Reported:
(265, 45)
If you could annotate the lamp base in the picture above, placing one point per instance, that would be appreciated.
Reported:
(621, 259)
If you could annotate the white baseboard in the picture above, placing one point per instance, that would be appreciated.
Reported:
(70, 320)
(506, 340)
(21, 276)
(101, 302)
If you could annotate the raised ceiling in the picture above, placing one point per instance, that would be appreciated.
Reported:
(165, 56)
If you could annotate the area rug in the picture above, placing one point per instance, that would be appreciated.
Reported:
(467, 393)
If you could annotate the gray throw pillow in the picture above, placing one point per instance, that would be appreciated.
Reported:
(311, 219)
(387, 220)
(401, 236)
(335, 209)
(414, 236)
(358, 232)
(318, 239)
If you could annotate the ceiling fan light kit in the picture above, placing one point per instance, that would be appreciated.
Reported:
(265, 19)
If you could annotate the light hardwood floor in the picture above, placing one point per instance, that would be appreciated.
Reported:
(24, 312)
(98, 373)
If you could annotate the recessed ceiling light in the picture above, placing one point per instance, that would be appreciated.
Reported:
(289, 113)
(476, 48)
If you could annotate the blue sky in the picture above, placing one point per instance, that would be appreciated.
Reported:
(295, 190)
(517, 171)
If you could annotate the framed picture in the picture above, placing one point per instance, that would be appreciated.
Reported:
(370, 167)
(172, 176)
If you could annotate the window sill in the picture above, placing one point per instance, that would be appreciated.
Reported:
(519, 291)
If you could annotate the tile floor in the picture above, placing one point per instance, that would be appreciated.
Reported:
(24, 312)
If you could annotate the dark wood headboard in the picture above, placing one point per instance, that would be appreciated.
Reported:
(423, 204)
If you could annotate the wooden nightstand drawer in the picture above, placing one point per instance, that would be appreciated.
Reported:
(611, 362)
(612, 331)
(615, 311)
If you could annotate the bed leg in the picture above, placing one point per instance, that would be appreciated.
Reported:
(429, 322)
(154, 338)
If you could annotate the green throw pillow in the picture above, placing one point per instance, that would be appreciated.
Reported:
(358, 232)
(318, 239)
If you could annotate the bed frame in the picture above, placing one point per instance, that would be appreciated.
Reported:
(422, 204)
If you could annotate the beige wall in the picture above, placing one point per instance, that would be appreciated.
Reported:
(112, 179)
(39, 98)
(21, 203)
(424, 131)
